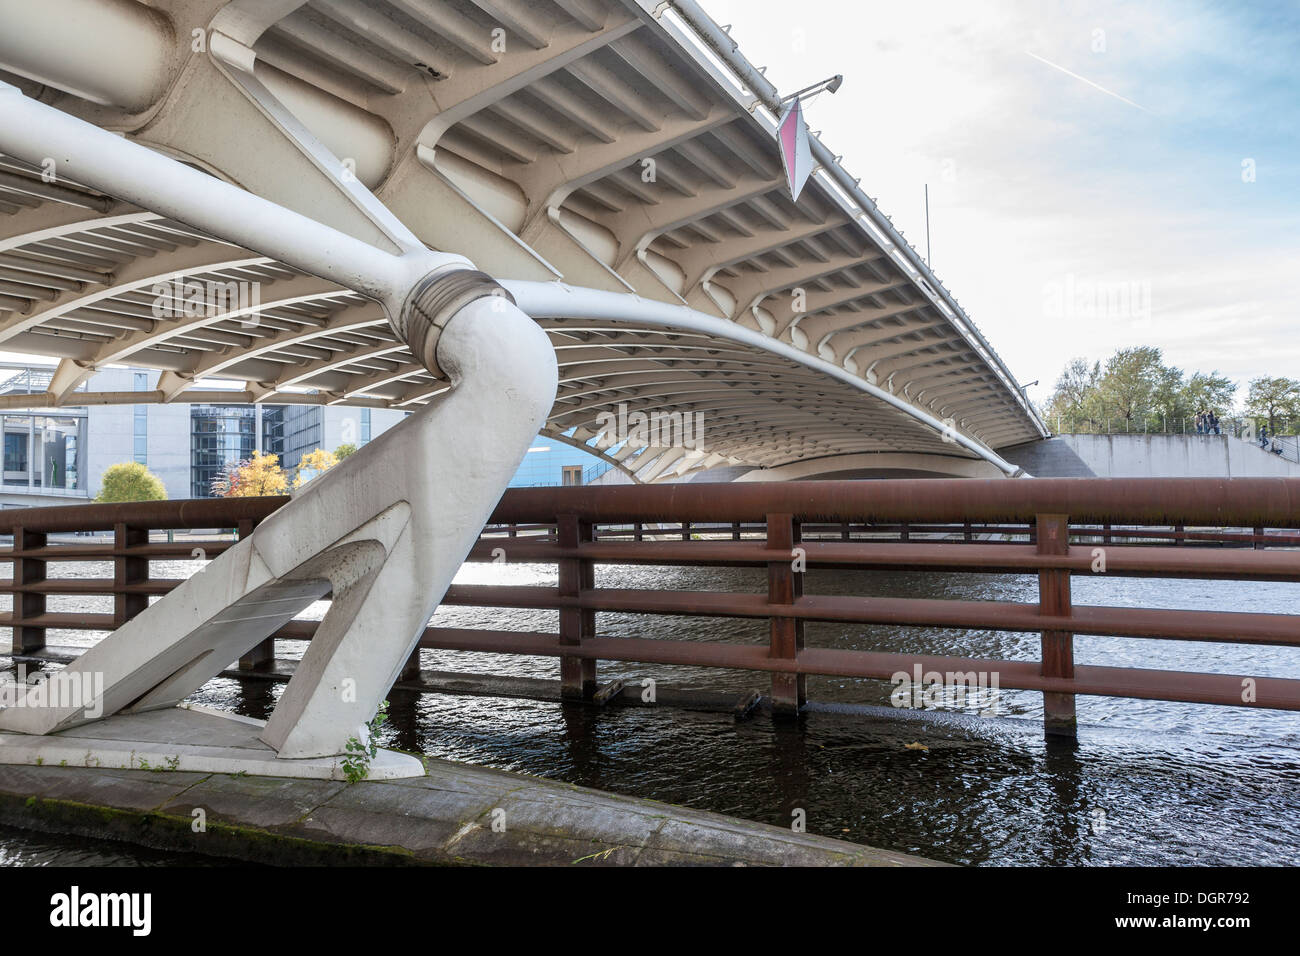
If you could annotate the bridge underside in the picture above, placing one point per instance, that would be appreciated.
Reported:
(598, 143)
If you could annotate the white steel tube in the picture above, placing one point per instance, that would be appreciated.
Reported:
(84, 153)
(554, 300)
(111, 52)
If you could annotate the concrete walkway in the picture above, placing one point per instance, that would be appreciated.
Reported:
(456, 814)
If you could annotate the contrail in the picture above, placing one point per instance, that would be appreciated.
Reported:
(1084, 79)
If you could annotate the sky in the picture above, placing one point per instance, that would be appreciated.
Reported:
(1101, 175)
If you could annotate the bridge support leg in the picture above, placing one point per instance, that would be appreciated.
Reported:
(785, 586)
(385, 531)
(1053, 537)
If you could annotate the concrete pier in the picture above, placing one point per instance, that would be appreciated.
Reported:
(455, 814)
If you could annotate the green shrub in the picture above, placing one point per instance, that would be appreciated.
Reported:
(130, 481)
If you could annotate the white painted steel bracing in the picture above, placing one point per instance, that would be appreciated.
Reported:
(82, 152)
(548, 300)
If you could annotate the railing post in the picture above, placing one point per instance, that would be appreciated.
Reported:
(785, 586)
(127, 570)
(1057, 646)
(28, 604)
(577, 675)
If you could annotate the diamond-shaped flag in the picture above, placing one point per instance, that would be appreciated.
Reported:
(796, 155)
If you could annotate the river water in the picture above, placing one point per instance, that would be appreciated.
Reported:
(971, 782)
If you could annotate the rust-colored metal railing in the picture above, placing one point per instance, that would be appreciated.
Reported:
(1238, 529)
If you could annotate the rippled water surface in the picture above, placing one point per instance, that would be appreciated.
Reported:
(1148, 782)
(25, 848)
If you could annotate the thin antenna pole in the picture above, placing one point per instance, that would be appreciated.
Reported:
(927, 224)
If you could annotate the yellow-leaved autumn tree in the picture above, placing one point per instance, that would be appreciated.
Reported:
(260, 475)
(312, 464)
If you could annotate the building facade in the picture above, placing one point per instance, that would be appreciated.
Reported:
(59, 456)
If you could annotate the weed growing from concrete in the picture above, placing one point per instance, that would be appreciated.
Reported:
(356, 764)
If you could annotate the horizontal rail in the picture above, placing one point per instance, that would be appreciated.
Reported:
(1227, 627)
(1186, 687)
(1089, 680)
(1213, 502)
(1210, 502)
(178, 514)
(894, 556)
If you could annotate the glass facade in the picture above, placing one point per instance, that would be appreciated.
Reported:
(304, 430)
(273, 430)
(45, 454)
(141, 438)
(219, 434)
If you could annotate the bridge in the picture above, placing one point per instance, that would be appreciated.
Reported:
(507, 217)
(612, 164)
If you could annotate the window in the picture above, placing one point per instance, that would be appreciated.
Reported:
(572, 475)
(15, 451)
(141, 448)
(219, 434)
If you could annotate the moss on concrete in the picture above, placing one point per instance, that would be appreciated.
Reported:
(163, 831)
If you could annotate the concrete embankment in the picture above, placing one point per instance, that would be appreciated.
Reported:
(455, 814)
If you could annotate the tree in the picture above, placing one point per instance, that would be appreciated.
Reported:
(223, 485)
(130, 481)
(1273, 398)
(347, 448)
(1139, 389)
(1209, 393)
(258, 476)
(312, 464)
(1130, 383)
(1168, 396)
(1077, 385)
